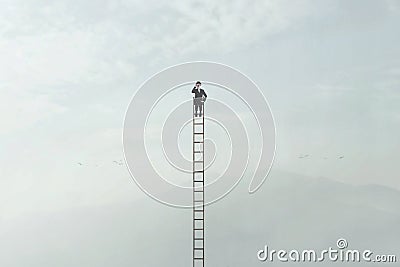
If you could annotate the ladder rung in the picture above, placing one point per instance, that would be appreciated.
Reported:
(198, 190)
(199, 238)
(198, 200)
(197, 123)
(198, 171)
(198, 248)
(198, 210)
(198, 161)
(198, 142)
(199, 219)
(198, 133)
(198, 151)
(199, 259)
(198, 229)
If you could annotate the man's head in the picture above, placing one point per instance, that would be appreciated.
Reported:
(198, 83)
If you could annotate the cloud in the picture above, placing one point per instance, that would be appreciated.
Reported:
(393, 5)
(64, 40)
(21, 110)
(224, 26)
(50, 49)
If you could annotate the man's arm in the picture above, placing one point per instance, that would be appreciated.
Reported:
(204, 93)
(193, 90)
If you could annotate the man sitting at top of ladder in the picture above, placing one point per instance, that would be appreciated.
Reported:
(199, 97)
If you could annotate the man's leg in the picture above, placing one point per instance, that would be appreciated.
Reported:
(201, 110)
(196, 108)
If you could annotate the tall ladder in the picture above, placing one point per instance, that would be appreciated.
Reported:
(198, 189)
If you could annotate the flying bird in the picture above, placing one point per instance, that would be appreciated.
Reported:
(341, 157)
(118, 162)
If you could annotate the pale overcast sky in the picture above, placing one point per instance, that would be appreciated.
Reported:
(329, 69)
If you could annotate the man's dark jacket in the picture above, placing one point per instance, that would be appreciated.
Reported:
(198, 94)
